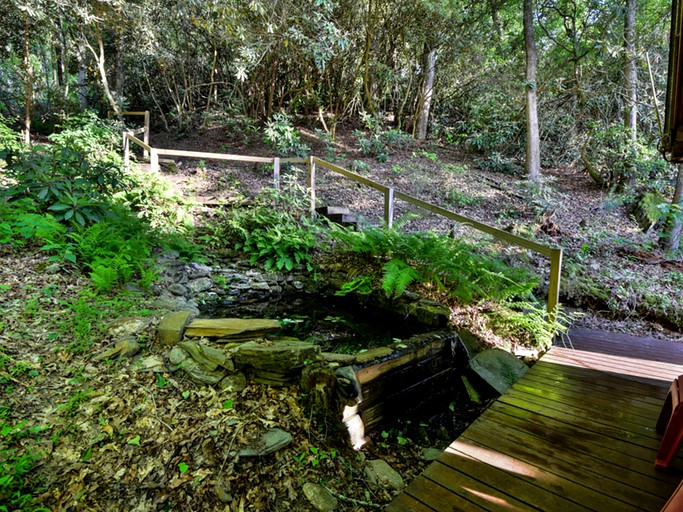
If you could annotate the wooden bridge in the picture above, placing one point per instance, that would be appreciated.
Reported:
(577, 432)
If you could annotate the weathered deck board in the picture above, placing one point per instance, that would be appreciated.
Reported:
(577, 432)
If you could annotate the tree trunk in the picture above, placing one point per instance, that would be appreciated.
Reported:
(82, 76)
(99, 59)
(673, 242)
(369, 26)
(28, 80)
(630, 83)
(427, 89)
(533, 140)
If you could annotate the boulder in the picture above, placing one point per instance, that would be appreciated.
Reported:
(232, 329)
(381, 474)
(499, 368)
(321, 499)
(271, 441)
(171, 328)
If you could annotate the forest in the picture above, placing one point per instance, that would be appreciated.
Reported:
(543, 119)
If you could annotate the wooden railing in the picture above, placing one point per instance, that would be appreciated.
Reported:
(144, 130)
(390, 196)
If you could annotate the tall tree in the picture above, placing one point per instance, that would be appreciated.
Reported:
(533, 140)
(426, 96)
(630, 82)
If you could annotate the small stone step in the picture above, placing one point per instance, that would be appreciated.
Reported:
(344, 219)
(339, 215)
(333, 210)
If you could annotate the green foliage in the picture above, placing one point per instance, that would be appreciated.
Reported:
(279, 237)
(458, 198)
(281, 135)
(620, 163)
(496, 162)
(529, 323)
(61, 181)
(17, 459)
(397, 276)
(377, 142)
(454, 265)
(86, 134)
(10, 142)
(20, 224)
(361, 285)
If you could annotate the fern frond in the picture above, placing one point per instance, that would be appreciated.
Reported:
(397, 276)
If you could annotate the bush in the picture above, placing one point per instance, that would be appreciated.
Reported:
(62, 182)
(281, 135)
(97, 140)
(377, 142)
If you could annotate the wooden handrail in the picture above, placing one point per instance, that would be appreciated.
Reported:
(555, 254)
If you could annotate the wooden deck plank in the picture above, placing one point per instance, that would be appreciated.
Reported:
(625, 452)
(424, 490)
(611, 449)
(525, 487)
(575, 376)
(578, 467)
(597, 420)
(575, 433)
(585, 497)
(471, 489)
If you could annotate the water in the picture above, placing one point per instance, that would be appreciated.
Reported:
(337, 324)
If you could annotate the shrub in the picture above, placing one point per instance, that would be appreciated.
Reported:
(281, 135)
(88, 135)
(61, 181)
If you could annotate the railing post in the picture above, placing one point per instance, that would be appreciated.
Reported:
(126, 152)
(145, 137)
(554, 285)
(311, 183)
(154, 160)
(276, 177)
(389, 207)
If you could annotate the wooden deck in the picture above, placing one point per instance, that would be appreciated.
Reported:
(577, 432)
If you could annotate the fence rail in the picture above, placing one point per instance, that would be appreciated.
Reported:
(390, 196)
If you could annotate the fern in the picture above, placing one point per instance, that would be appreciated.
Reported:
(651, 205)
(104, 278)
(397, 276)
(451, 265)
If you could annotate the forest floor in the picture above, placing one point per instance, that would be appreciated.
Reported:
(111, 437)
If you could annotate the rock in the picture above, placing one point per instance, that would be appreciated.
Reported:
(321, 499)
(284, 356)
(177, 289)
(199, 285)
(430, 454)
(181, 360)
(207, 357)
(431, 313)
(152, 363)
(127, 326)
(375, 353)
(127, 347)
(344, 359)
(171, 328)
(272, 441)
(349, 386)
(381, 474)
(232, 328)
(234, 383)
(499, 368)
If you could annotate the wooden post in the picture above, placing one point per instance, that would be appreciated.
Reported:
(389, 207)
(154, 160)
(554, 285)
(276, 178)
(311, 183)
(145, 137)
(126, 152)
